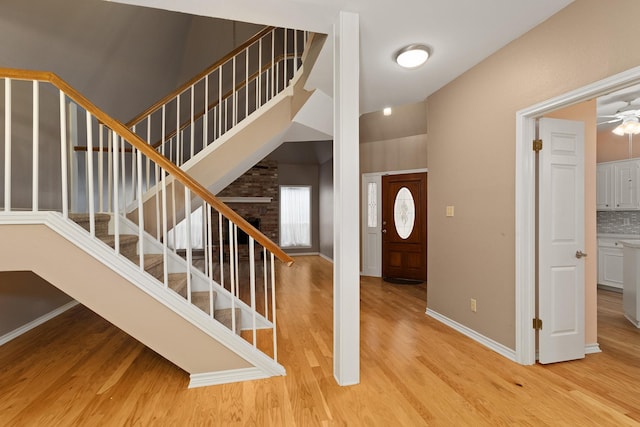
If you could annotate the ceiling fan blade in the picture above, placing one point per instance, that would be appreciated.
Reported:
(628, 97)
(610, 121)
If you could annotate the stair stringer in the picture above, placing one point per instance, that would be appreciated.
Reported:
(66, 256)
(199, 281)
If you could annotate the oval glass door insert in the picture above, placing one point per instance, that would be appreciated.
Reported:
(404, 213)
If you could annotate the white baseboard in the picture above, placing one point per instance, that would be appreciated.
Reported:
(35, 323)
(303, 253)
(226, 377)
(592, 348)
(323, 256)
(487, 342)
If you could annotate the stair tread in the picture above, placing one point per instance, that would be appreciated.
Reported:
(178, 282)
(101, 224)
(82, 217)
(201, 300)
(124, 239)
(223, 316)
(152, 260)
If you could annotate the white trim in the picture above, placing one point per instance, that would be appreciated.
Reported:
(363, 212)
(592, 348)
(245, 199)
(634, 322)
(326, 258)
(37, 322)
(487, 342)
(148, 284)
(293, 254)
(396, 172)
(525, 201)
(225, 377)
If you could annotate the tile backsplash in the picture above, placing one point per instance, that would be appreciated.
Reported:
(619, 222)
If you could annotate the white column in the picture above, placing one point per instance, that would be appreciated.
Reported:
(346, 277)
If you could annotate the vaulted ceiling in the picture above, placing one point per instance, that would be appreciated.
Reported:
(461, 33)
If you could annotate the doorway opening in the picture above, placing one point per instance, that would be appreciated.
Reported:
(526, 204)
(371, 220)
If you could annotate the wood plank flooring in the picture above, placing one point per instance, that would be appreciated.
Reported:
(79, 370)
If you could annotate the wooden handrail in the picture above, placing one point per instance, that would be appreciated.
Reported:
(152, 154)
(214, 104)
(200, 76)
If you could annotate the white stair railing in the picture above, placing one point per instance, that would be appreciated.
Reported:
(202, 110)
(115, 171)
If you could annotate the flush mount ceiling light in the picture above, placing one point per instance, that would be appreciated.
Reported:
(412, 56)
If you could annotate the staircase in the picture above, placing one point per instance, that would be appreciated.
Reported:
(153, 265)
(239, 109)
(82, 224)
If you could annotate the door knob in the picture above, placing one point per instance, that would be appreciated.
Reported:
(580, 254)
(384, 230)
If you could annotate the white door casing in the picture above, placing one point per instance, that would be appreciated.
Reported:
(526, 204)
(561, 268)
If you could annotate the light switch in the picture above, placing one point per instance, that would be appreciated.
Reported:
(449, 210)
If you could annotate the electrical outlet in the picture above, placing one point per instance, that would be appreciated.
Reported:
(473, 305)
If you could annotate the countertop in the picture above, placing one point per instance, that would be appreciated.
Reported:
(618, 236)
(631, 243)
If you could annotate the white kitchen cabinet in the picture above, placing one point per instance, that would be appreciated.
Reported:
(604, 186)
(630, 293)
(618, 185)
(610, 257)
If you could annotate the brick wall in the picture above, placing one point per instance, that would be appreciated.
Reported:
(259, 181)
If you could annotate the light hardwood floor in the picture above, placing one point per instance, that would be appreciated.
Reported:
(79, 370)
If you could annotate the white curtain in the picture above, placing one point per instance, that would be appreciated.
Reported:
(295, 216)
(177, 238)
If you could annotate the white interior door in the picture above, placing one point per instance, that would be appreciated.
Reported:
(561, 241)
(371, 225)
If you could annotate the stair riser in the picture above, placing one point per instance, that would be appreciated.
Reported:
(101, 226)
(157, 271)
(129, 250)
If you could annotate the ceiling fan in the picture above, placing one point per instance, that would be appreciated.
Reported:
(629, 118)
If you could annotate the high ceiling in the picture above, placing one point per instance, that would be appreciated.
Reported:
(461, 33)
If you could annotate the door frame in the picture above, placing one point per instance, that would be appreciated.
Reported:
(525, 233)
(363, 210)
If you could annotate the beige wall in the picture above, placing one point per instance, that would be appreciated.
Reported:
(405, 120)
(394, 154)
(614, 147)
(472, 255)
(395, 142)
(24, 297)
(586, 112)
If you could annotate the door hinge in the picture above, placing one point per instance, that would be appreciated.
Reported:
(537, 324)
(537, 145)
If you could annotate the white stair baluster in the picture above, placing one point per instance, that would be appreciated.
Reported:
(36, 145)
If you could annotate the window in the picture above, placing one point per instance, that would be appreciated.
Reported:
(177, 238)
(295, 216)
(372, 205)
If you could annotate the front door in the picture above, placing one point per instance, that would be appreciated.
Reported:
(561, 241)
(404, 226)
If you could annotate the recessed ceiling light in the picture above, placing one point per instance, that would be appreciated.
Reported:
(387, 111)
(412, 56)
